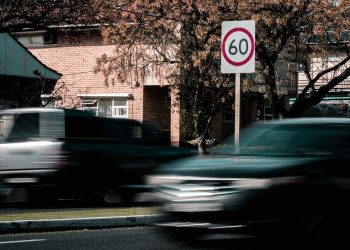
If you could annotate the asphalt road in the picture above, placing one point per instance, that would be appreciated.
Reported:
(119, 238)
(138, 238)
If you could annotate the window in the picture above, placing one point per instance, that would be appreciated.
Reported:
(21, 127)
(106, 107)
(89, 105)
(120, 107)
(264, 113)
(49, 101)
(136, 132)
(83, 127)
(36, 38)
(335, 2)
(33, 40)
(25, 126)
(6, 124)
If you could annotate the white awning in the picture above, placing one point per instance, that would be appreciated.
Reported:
(106, 95)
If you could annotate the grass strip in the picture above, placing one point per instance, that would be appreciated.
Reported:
(79, 213)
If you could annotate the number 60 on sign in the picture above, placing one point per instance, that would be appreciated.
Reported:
(238, 47)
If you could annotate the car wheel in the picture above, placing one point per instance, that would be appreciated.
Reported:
(93, 196)
(315, 223)
(182, 234)
(312, 225)
(41, 196)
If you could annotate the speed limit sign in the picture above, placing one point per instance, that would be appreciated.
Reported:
(238, 47)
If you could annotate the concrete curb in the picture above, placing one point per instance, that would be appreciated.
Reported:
(77, 223)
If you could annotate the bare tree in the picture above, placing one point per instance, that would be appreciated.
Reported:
(301, 32)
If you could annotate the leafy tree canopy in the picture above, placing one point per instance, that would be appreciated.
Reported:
(19, 14)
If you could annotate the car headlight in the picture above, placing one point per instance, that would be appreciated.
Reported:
(262, 183)
(163, 179)
(251, 183)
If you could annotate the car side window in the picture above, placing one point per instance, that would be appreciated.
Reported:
(25, 126)
(135, 131)
(83, 127)
(112, 129)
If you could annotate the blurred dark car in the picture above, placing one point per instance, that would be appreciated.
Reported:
(63, 153)
(291, 178)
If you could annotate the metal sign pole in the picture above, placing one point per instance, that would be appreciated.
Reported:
(237, 109)
(238, 56)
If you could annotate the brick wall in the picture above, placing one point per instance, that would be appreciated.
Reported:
(74, 57)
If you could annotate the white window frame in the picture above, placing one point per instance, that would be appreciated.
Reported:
(89, 101)
(52, 99)
(35, 38)
(31, 40)
(120, 106)
(267, 116)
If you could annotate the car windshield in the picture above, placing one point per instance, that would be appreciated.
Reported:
(17, 127)
(290, 140)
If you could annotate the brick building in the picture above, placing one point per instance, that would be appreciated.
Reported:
(73, 53)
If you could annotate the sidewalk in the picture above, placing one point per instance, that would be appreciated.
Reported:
(68, 219)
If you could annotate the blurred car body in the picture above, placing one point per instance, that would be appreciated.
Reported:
(72, 153)
(290, 178)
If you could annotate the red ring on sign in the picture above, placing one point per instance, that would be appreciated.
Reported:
(239, 29)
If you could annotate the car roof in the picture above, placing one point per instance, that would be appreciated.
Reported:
(68, 112)
(310, 121)
(30, 110)
(45, 110)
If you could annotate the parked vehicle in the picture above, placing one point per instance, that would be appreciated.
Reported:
(291, 178)
(54, 153)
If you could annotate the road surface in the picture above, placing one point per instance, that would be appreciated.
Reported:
(118, 238)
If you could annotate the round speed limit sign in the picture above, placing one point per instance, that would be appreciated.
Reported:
(238, 47)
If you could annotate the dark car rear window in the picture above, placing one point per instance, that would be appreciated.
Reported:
(18, 127)
(82, 127)
(295, 139)
(98, 127)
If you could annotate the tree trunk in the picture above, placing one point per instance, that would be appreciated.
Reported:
(202, 146)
